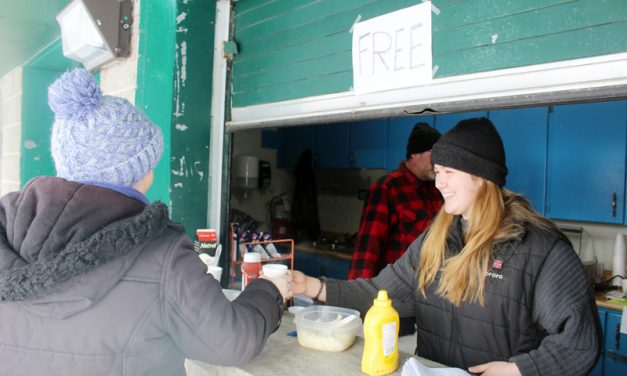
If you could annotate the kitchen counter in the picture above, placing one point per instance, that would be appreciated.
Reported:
(344, 254)
(603, 302)
(283, 355)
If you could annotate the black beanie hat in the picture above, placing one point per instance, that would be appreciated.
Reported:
(421, 139)
(473, 146)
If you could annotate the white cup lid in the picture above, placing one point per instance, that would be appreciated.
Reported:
(252, 257)
(274, 270)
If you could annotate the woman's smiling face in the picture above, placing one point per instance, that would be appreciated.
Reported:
(459, 189)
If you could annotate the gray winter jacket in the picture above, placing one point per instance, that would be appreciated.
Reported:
(93, 282)
(539, 310)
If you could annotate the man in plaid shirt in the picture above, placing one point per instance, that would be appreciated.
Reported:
(399, 207)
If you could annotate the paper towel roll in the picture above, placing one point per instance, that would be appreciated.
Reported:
(618, 260)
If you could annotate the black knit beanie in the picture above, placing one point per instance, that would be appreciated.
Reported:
(473, 146)
(421, 139)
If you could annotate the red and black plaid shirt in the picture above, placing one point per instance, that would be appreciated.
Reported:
(398, 209)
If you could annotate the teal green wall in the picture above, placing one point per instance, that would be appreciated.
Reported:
(155, 72)
(37, 118)
(191, 121)
(298, 48)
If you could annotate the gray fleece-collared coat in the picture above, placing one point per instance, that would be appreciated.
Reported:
(93, 282)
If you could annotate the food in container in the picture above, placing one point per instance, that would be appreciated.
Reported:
(327, 328)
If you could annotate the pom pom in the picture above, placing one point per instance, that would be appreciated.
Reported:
(74, 95)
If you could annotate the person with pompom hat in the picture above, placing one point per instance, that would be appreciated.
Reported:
(96, 280)
(496, 288)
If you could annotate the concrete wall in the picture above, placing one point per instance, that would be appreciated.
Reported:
(119, 78)
(10, 130)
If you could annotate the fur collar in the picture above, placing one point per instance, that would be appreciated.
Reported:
(25, 280)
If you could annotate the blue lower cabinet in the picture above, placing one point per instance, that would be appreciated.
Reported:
(308, 263)
(334, 268)
(615, 362)
(598, 368)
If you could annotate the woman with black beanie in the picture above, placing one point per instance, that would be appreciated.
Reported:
(496, 288)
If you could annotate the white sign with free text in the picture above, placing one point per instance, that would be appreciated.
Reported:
(393, 50)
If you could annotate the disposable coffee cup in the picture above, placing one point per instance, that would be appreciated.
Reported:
(215, 271)
(272, 271)
(252, 257)
(277, 274)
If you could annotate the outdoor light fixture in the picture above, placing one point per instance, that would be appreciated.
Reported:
(95, 32)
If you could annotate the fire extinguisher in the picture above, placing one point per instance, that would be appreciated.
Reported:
(279, 218)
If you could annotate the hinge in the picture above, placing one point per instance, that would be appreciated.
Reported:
(229, 48)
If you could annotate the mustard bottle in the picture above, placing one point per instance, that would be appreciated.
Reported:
(381, 326)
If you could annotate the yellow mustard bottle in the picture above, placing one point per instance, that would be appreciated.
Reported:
(380, 355)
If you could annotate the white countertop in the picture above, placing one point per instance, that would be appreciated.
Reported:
(283, 355)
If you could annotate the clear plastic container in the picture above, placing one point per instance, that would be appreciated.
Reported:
(327, 328)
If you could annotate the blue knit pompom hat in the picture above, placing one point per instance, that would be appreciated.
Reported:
(98, 137)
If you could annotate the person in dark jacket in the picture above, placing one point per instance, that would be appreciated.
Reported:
(497, 288)
(95, 280)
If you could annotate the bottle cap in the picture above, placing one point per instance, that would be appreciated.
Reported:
(252, 257)
(382, 299)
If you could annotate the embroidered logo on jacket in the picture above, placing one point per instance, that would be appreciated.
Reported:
(494, 275)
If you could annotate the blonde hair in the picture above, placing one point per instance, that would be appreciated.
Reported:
(497, 214)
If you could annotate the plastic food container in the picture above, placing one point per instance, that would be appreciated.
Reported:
(327, 328)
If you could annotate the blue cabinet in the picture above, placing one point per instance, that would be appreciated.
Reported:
(615, 351)
(342, 145)
(308, 263)
(447, 121)
(367, 144)
(568, 160)
(524, 134)
(586, 162)
(295, 141)
(334, 267)
(613, 360)
(316, 265)
(598, 368)
(398, 133)
(331, 146)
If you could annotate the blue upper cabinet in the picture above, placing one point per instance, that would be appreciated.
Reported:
(295, 141)
(524, 134)
(447, 121)
(331, 146)
(586, 162)
(398, 133)
(367, 143)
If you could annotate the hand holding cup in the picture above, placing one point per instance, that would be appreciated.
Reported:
(280, 276)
